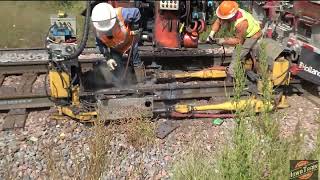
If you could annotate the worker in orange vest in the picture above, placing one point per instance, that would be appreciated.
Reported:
(247, 29)
(116, 29)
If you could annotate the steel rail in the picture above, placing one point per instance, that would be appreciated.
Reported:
(37, 49)
(26, 103)
(13, 68)
(160, 92)
(145, 52)
(146, 47)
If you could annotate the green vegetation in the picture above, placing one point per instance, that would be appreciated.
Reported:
(256, 150)
(140, 132)
(225, 31)
(92, 165)
(24, 24)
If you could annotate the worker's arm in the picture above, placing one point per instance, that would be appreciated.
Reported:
(131, 16)
(103, 48)
(241, 29)
(214, 28)
(216, 25)
(111, 63)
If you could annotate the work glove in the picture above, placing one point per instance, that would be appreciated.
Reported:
(111, 63)
(211, 35)
(133, 33)
(136, 32)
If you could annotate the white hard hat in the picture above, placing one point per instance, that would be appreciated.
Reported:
(103, 17)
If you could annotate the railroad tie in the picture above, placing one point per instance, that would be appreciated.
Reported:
(2, 77)
(16, 118)
(27, 81)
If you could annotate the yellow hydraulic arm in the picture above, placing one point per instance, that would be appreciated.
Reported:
(216, 72)
(213, 72)
(256, 104)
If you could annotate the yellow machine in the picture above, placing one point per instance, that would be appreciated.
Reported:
(64, 69)
(278, 76)
(61, 88)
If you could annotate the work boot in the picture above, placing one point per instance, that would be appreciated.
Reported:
(139, 71)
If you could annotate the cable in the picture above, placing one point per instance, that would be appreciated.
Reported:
(84, 35)
(72, 56)
(128, 60)
(47, 36)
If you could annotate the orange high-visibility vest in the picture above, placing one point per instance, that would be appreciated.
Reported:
(121, 39)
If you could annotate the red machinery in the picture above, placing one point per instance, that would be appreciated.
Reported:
(172, 24)
(299, 28)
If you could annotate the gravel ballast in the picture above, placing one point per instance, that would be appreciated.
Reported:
(25, 151)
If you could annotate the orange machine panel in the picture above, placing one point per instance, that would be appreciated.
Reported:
(166, 27)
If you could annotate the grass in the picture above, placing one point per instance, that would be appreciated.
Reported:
(140, 132)
(225, 31)
(92, 165)
(97, 161)
(194, 165)
(256, 150)
(24, 24)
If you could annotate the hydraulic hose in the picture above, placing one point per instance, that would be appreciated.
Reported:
(202, 26)
(185, 14)
(194, 29)
(85, 34)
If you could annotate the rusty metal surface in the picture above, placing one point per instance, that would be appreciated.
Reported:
(191, 93)
(160, 92)
(146, 51)
(123, 108)
(140, 89)
(202, 51)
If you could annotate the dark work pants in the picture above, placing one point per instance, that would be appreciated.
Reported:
(248, 45)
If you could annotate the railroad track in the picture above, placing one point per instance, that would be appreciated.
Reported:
(31, 64)
(24, 96)
(18, 101)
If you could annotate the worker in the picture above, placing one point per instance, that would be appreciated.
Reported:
(116, 31)
(247, 31)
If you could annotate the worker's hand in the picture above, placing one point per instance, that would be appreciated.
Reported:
(111, 63)
(219, 41)
(211, 35)
(135, 32)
